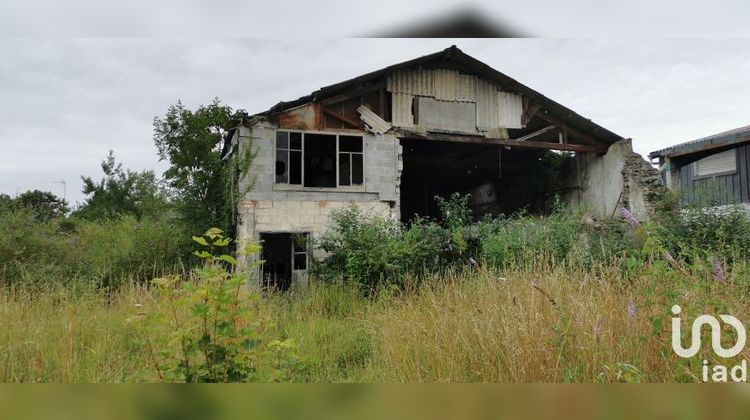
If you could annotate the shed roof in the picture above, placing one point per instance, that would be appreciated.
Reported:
(714, 141)
(453, 57)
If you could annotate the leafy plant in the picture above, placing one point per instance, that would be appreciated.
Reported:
(210, 333)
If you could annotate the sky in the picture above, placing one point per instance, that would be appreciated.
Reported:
(65, 103)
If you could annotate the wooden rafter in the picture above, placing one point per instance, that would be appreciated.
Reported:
(579, 148)
(343, 118)
(536, 133)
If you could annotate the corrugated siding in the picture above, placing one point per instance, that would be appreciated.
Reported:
(720, 190)
(511, 108)
(446, 82)
(466, 88)
(494, 109)
(401, 109)
(488, 111)
(416, 82)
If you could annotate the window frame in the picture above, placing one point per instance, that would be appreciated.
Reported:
(301, 187)
(698, 176)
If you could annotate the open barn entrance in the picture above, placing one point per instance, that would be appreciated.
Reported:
(499, 179)
(285, 259)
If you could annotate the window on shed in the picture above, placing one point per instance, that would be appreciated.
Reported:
(720, 163)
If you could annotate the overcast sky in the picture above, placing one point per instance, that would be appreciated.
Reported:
(64, 104)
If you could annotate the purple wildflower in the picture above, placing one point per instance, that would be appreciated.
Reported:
(669, 257)
(628, 216)
(718, 271)
(598, 328)
(631, 309)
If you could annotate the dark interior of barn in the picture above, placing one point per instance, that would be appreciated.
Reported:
(501, 180)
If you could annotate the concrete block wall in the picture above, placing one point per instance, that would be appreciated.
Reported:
(268, 207)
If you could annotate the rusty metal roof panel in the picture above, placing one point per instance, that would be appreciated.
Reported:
(725, 138)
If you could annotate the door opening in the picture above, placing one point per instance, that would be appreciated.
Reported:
(285, 259)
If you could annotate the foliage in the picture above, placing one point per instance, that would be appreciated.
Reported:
(371, 250)
(192, 142)
(122, 192)
(699, 232)
(368, 249)
(44, 205)
(71, 251)
(209, 334)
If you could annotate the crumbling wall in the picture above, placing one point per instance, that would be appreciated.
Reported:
(619, 178)
(642, 186)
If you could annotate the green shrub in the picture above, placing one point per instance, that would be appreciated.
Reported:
(105, 253)
(700, 232)
(207, 332)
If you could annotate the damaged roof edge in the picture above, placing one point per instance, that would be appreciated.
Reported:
(453, 55)
(726, 138)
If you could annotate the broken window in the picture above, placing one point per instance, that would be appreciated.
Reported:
(351, 160)
(288, 158)
(319, 160)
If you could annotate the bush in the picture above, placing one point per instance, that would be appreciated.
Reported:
(106, 253)
(698, 232)
(206, 332)
(370, 250)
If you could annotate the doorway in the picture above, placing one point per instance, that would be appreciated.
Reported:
(285, 259)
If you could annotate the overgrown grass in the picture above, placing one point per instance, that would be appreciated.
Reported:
(521, 324)
(553, 299)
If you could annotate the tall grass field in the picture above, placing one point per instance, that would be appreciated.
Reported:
(516, 299)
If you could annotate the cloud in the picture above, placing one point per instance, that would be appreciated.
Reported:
(65, 103)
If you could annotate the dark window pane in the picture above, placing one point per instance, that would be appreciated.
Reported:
(344, 169)
(350, 144)
(295, 141)
(358, 174)
(282, 139)
(282, 166)
(320, 160)
(300, 261)
(295, 167)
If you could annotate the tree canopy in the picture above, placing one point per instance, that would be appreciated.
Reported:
(122, 192)
(192, 142)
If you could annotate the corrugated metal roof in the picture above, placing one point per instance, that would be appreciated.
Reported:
(725, 138)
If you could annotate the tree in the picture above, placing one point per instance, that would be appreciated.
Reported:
(192, 142)
(122, 192)
(44, 204)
